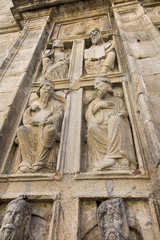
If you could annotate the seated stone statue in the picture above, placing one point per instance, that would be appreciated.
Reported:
(109, 135)
(41, 128)
(16, 222)
(100, 57)
(55, 62)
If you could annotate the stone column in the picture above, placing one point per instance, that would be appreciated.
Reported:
(141, 40)
(76, 68)
(70, 151)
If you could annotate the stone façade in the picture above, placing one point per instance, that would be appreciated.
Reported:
(65, 201)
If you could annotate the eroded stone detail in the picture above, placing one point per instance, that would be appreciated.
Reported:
(109, 135)
(100, 57)
(40, 130)
(55, 62)
(112, 220)
(16, 222)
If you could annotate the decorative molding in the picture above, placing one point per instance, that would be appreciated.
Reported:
(12, 53)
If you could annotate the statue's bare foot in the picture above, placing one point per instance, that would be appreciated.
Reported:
(23, 167)
(94, 169)
(107, 162)
(36, 168)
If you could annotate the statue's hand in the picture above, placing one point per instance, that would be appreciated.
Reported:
(47, 53)
(34, 108)
(47, 121)
(122, 114)
(100, 105)
(104, 104)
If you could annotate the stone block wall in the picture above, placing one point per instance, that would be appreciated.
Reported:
(79, 120)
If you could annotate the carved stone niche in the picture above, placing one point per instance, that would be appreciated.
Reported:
(20, 220)
(110, 144)
(37, 141)
(115, 219)
(100, 55)
(55, 60)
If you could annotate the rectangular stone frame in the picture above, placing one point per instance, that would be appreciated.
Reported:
(103, 196)
(51, 198)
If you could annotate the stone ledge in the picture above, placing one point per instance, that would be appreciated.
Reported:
(47, 196)
(110, 174)
(30, 177)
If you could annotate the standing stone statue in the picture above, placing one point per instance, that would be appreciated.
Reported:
(55, 62)
(100, 57)
(109, 135)
(112, 220)
(16, 222)
(41, 128)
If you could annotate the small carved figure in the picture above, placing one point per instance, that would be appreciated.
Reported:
(112, 220)
(100, 57)
(109, 135)
(42, 125)
(16, 222)
(55, 62)
(119, 93)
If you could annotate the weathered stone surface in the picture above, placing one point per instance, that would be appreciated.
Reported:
(64, 202)
(40, 130)
(106, 117)
(55, 62)
(112, 220)
(100, 57)
(16, 221)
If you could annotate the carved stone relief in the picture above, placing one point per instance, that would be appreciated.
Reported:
(84, 27)
(109, 138)
(77, 28)
(115, 219)
(23, 221)
(112, 220)
(41, 129)
(100, 57)
(16, 221)
(55, 62)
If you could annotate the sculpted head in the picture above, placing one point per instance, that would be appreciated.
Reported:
(119, 93)
(58, 44)
(103, 86)
(16, 221)
(46, 88)
(95, 36)
(112, 221)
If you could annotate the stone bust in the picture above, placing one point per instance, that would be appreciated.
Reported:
(16, 221)
(112, 220)
(100, 57)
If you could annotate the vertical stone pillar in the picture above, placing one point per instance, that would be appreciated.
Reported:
(70, 151)
(76, 68)
(141, 44)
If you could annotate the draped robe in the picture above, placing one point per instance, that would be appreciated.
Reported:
(56, 68)
(109, 134)
(36, 139)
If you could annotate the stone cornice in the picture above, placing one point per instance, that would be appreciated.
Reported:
(26, 5)
(20, 7)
